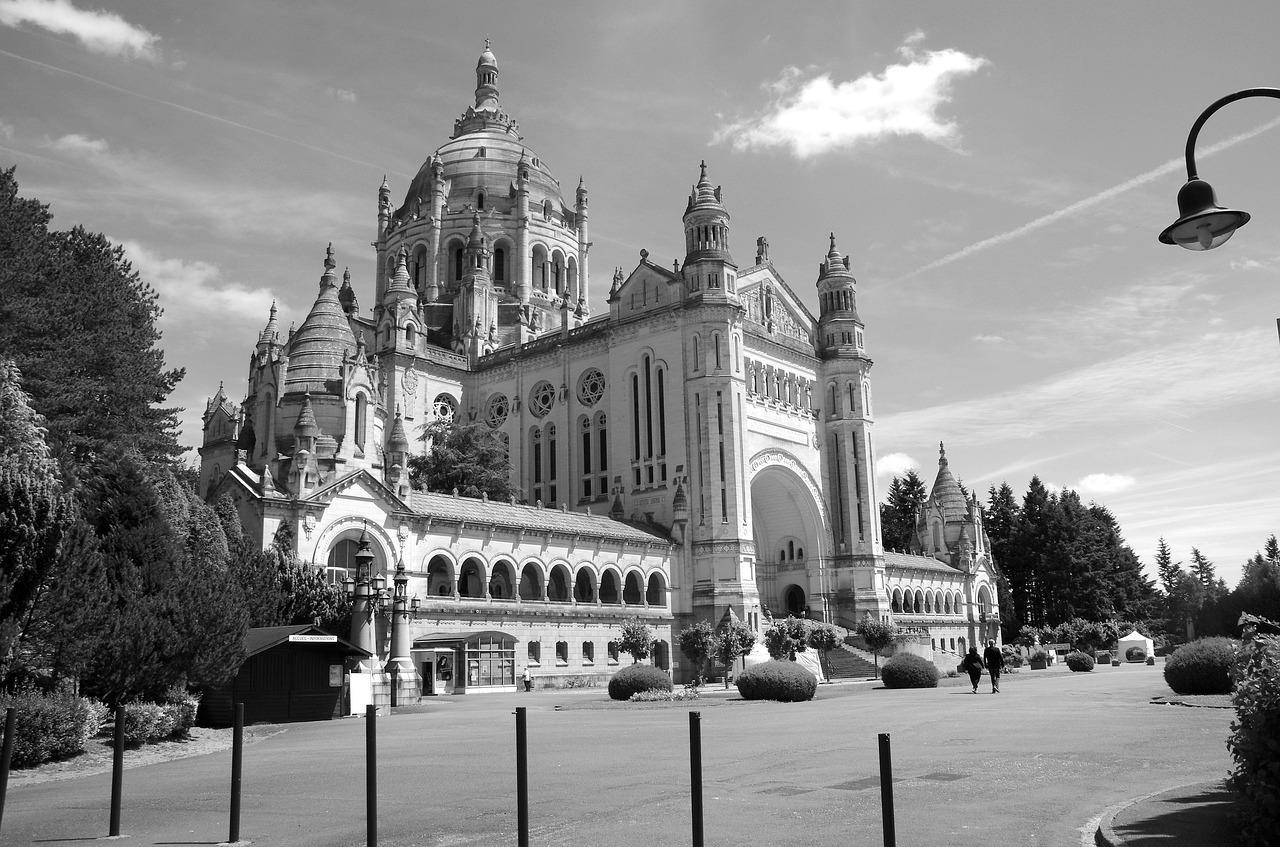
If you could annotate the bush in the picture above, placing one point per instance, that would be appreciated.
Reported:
(1201, 667)
(1079, 662)
(777, 680)
(1103, 657)
(1012, 656)
(51, 727)
(633, 679)
(1257, 726)
(907, 670)
(1038, 660)
(1135, 654)
(654, 695)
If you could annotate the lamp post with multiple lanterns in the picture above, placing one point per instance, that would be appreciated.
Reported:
(369, 597)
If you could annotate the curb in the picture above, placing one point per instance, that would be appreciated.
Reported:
(1104, 834)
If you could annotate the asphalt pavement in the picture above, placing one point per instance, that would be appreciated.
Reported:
(1053, 759)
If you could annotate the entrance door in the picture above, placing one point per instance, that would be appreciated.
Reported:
(429, 677)
(795, 601)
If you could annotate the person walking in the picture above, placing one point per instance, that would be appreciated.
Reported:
(994, 660)
(527, 679)
(972, 663)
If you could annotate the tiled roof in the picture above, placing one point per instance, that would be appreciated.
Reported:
(907, 560)
(450, 508)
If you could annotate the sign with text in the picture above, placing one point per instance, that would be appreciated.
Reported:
(315, 639)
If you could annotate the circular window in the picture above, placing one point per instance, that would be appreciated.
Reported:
(590, 387)
(444, 406)
(541, 399)
(496, 414)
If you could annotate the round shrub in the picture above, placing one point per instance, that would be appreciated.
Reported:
(50, 727)
(776, 680)
(1012, 656)
(636, 678)
(1135, 654)
(1079, 662)
(1103, 657)
(907, 670)
(1201, 667)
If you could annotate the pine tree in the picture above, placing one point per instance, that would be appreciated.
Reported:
(1169, 570)
(1202, 569)
(898, 514)
(464, 456)
(81, 325)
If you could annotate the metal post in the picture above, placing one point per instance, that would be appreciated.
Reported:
(886, 791)
(371, 774)
(10, 727)
(695, 774)
(237, 760)
(117, 772)
(522, 778)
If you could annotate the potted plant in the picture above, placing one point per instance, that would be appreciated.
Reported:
(1039, 659)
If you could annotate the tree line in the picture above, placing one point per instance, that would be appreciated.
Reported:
(1061, 564)
(115, 577)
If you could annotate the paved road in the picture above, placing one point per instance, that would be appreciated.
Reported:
(1030, 766)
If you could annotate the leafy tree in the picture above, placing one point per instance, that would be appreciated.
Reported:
(99, 380)
(697, 643)
(733, 640)
(280, 590)
(636, 639)
(906, 498)
(35, 514)
(824, 638)
(463, 456)
(877, 635)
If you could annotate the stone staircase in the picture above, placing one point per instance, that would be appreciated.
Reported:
(847, 662)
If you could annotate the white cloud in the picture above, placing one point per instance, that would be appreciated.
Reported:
(989, 339)
(895, 464)
(78, 145)
(197, 301)
(1104, 483)
(99, 31)
(816, 115)
(6, 129)
(341, 94)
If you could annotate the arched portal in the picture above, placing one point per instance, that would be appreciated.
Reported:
(786, 515)
(794, 600)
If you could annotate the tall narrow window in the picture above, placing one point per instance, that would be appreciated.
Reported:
(535, 438)
(499, 264)
(602, 438)
(586, 459)
(362, 415)
(551, 463)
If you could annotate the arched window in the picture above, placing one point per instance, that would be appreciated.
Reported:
(716, 341)
(499, 264)
(409, 334)
(480, 195)
(342, 561)
(459, 263)
(362, 422)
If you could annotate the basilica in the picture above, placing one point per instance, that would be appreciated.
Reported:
(696, 445)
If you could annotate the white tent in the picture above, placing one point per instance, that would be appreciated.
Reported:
(1135, 639)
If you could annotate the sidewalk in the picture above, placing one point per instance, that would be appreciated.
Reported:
(1189, 816)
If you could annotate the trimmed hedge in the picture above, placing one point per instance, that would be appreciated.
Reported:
(1135, 654)
(633, 679)
(1201, 667)
(1079, 662)
(1103, 657)
(51, 727)
(907, 670)
(777, 680)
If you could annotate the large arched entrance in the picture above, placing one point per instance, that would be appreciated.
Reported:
(790, 535)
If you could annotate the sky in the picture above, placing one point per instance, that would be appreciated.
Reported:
(996, 172)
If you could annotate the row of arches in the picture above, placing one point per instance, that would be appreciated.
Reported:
(585, 583)
(554, 269)
(925, 602)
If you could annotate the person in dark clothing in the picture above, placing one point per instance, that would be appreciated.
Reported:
(994, 660)
(972, 663)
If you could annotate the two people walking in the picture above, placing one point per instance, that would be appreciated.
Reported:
(991, 660)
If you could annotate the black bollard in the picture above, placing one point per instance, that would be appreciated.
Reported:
(522, 778)
(10, 727)
(695, 774)
(237, 759)
(886, 791)
(371, 774)
(117, 772)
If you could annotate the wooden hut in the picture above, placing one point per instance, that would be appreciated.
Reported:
(290, 673)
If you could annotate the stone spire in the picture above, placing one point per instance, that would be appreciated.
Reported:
(317, 349)
(946, 491)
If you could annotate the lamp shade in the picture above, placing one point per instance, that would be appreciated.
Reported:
(1202, 224)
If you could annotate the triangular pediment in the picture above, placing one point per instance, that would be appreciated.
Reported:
(358, 485)
(648, 288)
(770, 302)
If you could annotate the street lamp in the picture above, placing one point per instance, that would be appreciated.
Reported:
(368, 594)
(1202, 224)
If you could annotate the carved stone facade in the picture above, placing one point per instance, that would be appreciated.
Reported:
(698, 442)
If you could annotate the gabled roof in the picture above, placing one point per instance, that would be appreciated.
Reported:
(327, 492)
(531, 518)
(261, 638)
(907, 560)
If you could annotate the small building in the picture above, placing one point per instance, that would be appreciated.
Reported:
(290, 673)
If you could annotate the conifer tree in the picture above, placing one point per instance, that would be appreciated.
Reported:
(464, 456)
(1202, 569)
(1169, 570)
(898, 514)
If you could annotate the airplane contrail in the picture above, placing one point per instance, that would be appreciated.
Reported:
(1102, 196)
(198, 113)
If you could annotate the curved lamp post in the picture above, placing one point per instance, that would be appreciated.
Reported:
(1202, 224)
